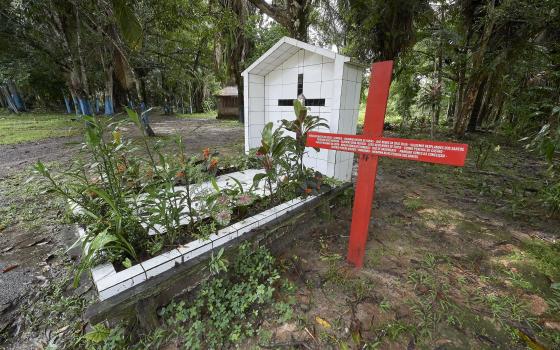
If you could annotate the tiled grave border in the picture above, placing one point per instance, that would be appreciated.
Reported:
(110, 283)
(141, 302)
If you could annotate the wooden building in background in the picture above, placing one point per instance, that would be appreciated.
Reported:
(228, 103)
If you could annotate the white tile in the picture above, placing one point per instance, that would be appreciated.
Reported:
(274, 78)
(221, 239)
(161, 263)
(357, 95)
(312, 90)
(201, 248)
(255, 118)
(255, 131)
(290, 76)
(311, 74)
(101, 271)
(256, 90)
(291, 62)
(275, 93)
(312, 58)
(253, 78)
(256, 104)
(119, 277)
(322, 166)
(326, 88)
(346, 71)
(120, 287)
(289, 91)
(327, 72)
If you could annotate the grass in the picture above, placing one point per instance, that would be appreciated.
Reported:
(204, 115)
(26, 127)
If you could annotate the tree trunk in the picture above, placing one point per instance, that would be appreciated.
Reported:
(477, 76)
(439, 65)
(471, 127)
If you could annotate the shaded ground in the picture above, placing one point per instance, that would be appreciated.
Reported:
(456, 259)
(33, 233)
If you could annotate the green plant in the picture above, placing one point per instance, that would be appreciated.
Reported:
(550, 197)
(226, 308)
(482, 151)
(300, 126)
(273, 157)
(105, 195)
(117, 203)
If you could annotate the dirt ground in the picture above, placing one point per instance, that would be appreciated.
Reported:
(33, 232)
(454, 260)
(457, 258)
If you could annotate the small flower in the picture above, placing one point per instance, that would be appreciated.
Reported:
(180, 174)
(117, 137)
(149, 173)
(206, 153)
(213, 163)
(223, 217)
(121, 168)
(308, 191)
(222, 200)
(245, 199)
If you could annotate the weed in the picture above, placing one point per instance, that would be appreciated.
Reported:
(413, 204)
(385, 305)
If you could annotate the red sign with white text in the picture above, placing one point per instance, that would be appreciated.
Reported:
(418, 150)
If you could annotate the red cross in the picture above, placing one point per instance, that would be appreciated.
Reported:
(371, 145)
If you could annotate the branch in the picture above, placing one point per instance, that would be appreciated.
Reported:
(273, 11)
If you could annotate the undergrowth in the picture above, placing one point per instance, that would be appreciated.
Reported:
(226, 310)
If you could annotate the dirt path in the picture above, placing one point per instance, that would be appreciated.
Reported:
(197, 134)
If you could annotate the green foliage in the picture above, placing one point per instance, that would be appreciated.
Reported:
(118, 196)
(225, 309)
(482, 150)
(272, 155)
(300, 126)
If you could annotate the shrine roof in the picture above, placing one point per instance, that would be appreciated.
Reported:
(284, 49)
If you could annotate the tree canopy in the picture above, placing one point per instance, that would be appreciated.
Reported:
(462, 63)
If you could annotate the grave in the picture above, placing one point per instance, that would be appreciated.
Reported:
(330, 84)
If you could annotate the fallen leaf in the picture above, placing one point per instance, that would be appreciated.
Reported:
(62, 329)
(532, 343)
(41, 241)
(322, 322)
(7, 249)
(9, 268)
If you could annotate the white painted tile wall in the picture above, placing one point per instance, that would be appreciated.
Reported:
(337, 82)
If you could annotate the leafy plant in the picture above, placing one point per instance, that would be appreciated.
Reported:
(272, 154)
(104, 196)
(226, 309)
(300, 126)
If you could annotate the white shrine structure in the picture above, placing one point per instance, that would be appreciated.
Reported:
(331, 84)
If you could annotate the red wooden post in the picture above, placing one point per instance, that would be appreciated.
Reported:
(372, 145)
(380, 82)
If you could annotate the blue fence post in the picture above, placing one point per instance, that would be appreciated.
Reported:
(109, 110)
(67, 103)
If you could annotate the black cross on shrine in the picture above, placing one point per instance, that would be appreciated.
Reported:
(307, 101)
